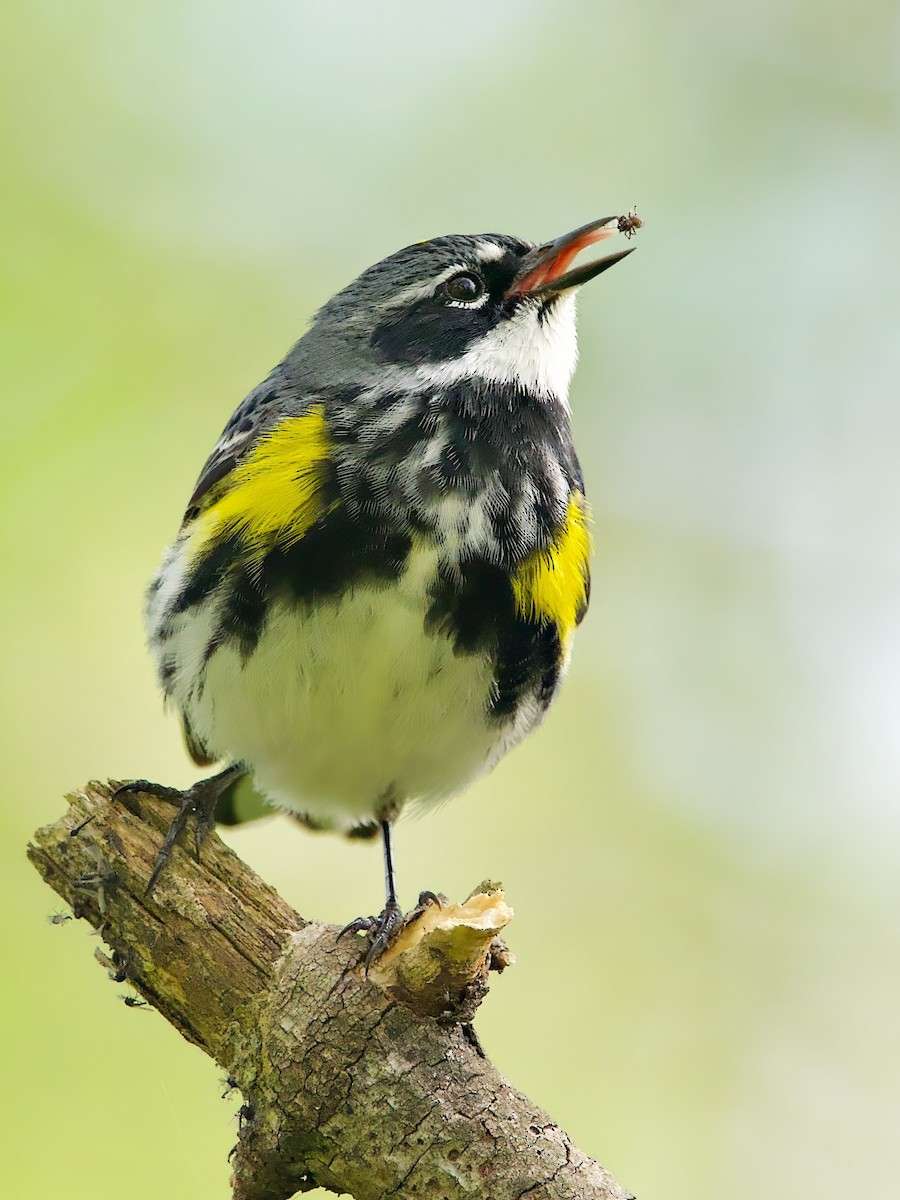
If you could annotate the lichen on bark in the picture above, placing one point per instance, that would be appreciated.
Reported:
(371, 1085)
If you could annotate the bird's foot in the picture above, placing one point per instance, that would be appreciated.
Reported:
(380, 930)
(383, 929)
(198, 801)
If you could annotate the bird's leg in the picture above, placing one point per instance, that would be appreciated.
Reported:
(199, 801)
(381, 929)
(392, 917)
(384, 928)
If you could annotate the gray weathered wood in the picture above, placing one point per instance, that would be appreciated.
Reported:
(347, 1086)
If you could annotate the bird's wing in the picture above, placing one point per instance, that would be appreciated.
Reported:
(194, 746)
(266, 404)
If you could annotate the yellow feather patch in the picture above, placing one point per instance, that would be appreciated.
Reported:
(551, 584)
(274, 495)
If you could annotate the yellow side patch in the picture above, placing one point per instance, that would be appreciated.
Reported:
(552, 584)
(274, 495)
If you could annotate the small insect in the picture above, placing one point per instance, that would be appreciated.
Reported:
(229, 1084)
(630, 223)
(115, 965)
(76, 829)
(120, 964)
(133, 1001)
(101, 881)
(58, 918)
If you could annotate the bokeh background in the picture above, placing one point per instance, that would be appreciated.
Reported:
(701, 845)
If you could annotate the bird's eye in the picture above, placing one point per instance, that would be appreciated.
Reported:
(465, 288)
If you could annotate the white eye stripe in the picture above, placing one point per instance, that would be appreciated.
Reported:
(421, 291)
(479, 303)
(445, 276)
(489, 252)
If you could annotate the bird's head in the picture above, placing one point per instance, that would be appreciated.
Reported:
(487, 306)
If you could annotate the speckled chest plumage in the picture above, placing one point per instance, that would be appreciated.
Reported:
(379, 659)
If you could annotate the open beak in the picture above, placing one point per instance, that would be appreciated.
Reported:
(544, 270)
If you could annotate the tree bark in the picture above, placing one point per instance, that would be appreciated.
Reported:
(373, 1085)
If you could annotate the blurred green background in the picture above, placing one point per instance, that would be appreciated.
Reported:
(701, 845)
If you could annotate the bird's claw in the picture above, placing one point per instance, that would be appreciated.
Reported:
(380, 930)
(383, 929)
(134, 787)
(198, 801)
(359, 925)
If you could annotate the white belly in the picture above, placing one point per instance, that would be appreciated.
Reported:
(351, 704)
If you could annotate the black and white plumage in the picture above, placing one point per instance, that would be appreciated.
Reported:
(373, 593)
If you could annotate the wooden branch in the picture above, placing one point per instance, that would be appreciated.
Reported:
(369, 1085)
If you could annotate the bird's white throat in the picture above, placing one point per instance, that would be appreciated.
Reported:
(532, 350)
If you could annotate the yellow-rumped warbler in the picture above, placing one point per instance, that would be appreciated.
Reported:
(373, 593)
